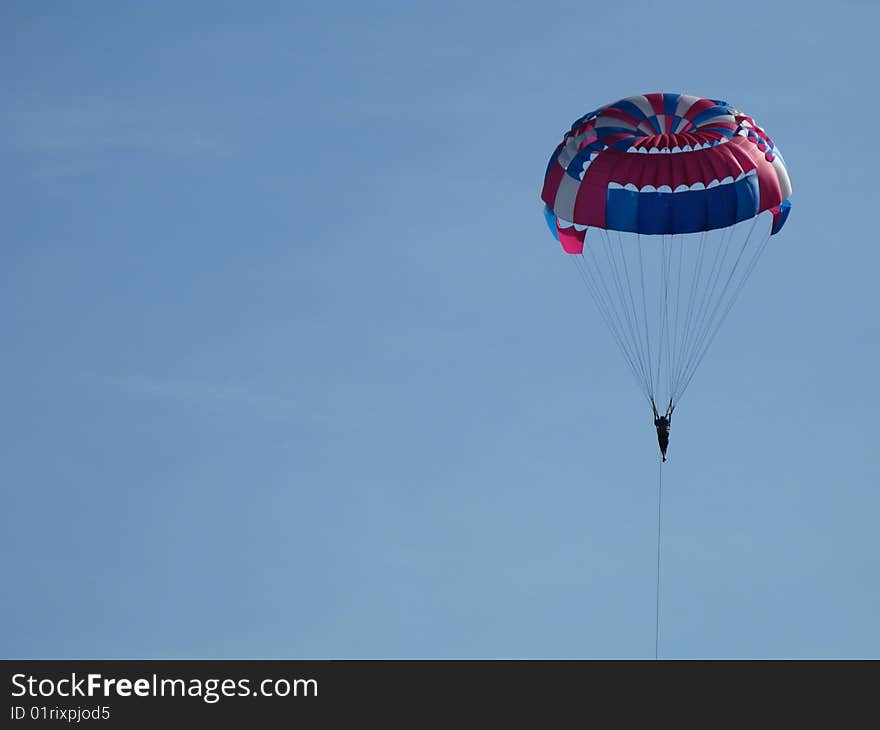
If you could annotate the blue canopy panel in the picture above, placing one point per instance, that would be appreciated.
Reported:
(688, 211)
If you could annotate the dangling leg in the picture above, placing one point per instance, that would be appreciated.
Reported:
(663, 442)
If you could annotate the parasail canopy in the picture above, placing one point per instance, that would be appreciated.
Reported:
(657, 198)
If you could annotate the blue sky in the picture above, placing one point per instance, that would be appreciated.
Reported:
(292, 367)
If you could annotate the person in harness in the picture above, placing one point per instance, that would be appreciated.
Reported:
(662, 424)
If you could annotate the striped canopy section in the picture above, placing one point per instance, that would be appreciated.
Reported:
(663, 164)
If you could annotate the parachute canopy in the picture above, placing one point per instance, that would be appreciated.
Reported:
(689, 175)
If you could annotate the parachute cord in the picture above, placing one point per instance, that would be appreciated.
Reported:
(606, 311)
(737, 290)
(645, 315)
(657, 609)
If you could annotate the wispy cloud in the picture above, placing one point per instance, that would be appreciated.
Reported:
(214, 395)
(95, 125)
